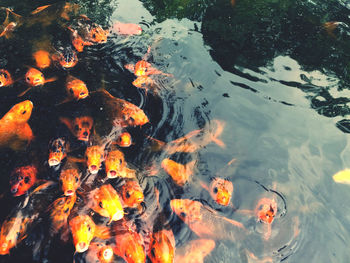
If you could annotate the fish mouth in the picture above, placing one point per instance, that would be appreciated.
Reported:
(83, 95)
(4, 249)
(112, 174)
(93, 169)
(53, 162)
(81, 247)
(107, 254)
(83, 138)
(69, 192)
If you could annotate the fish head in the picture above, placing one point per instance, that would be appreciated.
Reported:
(124, 140)
(105, 254)
(114, 163)
(5, 78)
(106, 202)
(66, 57)
(7, 240)
(57, 151)
(187, 210)
(78, 42)
(80, 127)
(161, 249)
(221, 191)
(133, 115)
(83, 229)
(132, 193)
(20, 113)
(134, 251)
(42, 59)
(61, 207)
(34, 77)
(97, 34)
(141, 68)
(22, 179)
(266, 210)
(77, 89)
(94, 157)
(69, 181)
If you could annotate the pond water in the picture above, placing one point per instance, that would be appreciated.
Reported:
(273, 73)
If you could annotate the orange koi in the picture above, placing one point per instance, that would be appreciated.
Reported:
(194, 140)
(57, 151)
(39, 9)
(130, 246)
(5, 78)
(342, 177)
(76, 88)
(94, 157)
(66, 58)
(126, 28)
(83, 230)
(80, 127)
(13, 231)
(22, 179)
(265, 211)
(220, 190)
(162, 247)
(143, 82)
(132, 193)
(90, 31)
(330, 27)
(42, 59)
(35, 78)
(77, 41)
(69, 178)
(115, 165)
(105, 201)
(124, 140)
(194, 251)
(60, 210)
(99, 252)
(14, 127)
(206, 222)
(180, 173)
(11, 21)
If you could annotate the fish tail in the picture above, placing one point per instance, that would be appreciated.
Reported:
(24, 92)
(219, 129)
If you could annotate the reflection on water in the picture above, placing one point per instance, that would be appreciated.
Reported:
(269, 72)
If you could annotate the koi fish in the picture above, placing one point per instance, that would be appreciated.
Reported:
(13, 231)
(126, 28)
(22, 179)
(39, 9)
(130, 246)
(11, 21)
(84, 230)
(105, 201)
(66, 58)
(194, 140)
(80, 127)
(265, 212)
(342, 177)
(124, 140)
(119, 111)
(220, 190)
(60, 211)
(194, 251)
(99, 252)
(206, 222)
(76, 88)
(14, 127)
(92, 32)
(94, 157)
(57, 151)
(5, 78)
(132, 193)
(143, 82)
(115, 165)
(180, 173)
(162, 247)
(69, 178)
(77, 41)
(42, 59)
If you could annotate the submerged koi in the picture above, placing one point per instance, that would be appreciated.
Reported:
(162, 247)
(124, 140)
(220, 190)
(14, 127)
(22, 179)
(76, 88)
(69, 179)
(99, 252)
(194, 251)
(11, 21)
(132, 193)
(94, 157)
(180, 173)
(105, 201)
(342, 177)
(80, 127)
(126, 28)
(66, 58)
(42, 59)
(115, 165)
(60, 211)
(206, 222)
(5, 78)
(35, 78)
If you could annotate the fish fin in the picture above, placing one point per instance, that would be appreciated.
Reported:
(63, 101)
(102, 232)
(24, 92)
(156, 145)
(75, 159)
(39, 9)
(51, 79)
(204, 185)
(130, 67)
(342, 177)
(67, 122)
(219, 129)
(42, 186)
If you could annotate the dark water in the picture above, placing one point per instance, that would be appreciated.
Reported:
(268, 69)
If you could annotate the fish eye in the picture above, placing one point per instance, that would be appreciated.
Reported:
(76, 179)
(28, 79)
(26, 179)
(89, 228)
(42, 75)
(120, 161)
(66, 210)
(1, 83)
(131, 119)
(93, 35)
(100, 204)
(71, 91)
(76, 127)
(61, 182)
(183, 214)
(24, 112)
(153, 252)
(127, 195)
(5, 76)
(215, 190)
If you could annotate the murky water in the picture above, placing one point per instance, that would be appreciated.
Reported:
(271, 72)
